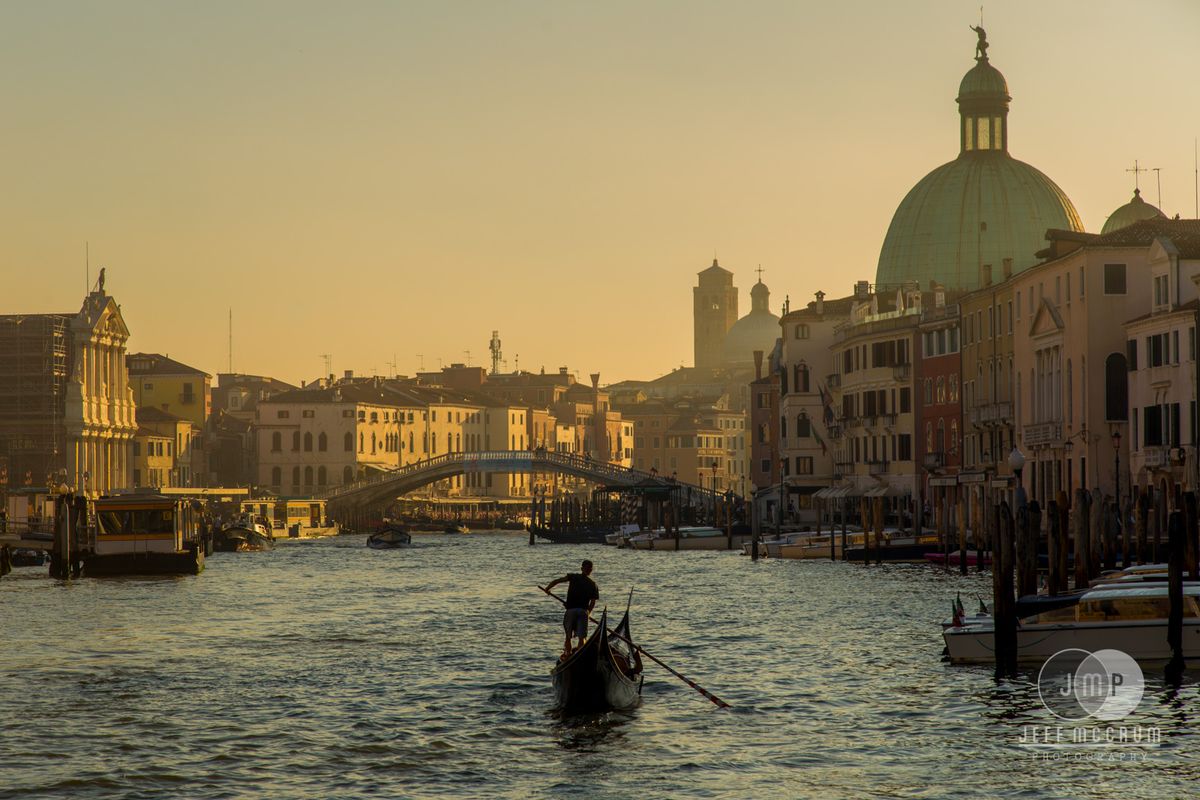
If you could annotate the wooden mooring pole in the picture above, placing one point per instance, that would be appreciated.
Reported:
(1081, 536)
(1053, 533)
(1176, 541)
(1029, 520)
(1003, 604)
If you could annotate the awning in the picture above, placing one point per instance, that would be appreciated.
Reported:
(878, 491)
(824, 494)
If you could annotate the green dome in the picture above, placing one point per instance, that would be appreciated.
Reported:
(981, 208)
(983, 79)
(1135, 210)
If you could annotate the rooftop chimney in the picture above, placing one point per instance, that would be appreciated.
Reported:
(820, 303)
(348, 374)
(758, 356)
(1007, 262)
(562, 370)
(985, 275)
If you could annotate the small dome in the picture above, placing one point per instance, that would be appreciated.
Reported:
(758, 330)
(983, 80)
(1135, 210)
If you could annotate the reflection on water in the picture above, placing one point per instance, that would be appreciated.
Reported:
(326, 669)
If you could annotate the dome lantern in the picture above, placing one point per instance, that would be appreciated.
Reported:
(983, 104)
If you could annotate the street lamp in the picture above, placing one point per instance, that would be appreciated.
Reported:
(1016, 461)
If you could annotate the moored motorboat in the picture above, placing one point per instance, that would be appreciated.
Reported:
(603, 674)
(700, 538)
(389, 537)
(1130, 617)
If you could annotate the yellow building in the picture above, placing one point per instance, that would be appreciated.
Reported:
(153, 459)
(181, 433)
(186, 392)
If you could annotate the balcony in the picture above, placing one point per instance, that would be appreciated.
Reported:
(1042, 433)
(933, 461)
(992, 414)
(902, 372)
(877, 467)
(1155, 456)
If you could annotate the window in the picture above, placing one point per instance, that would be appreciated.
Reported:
(1114, 279)
(322, 442)
(282, 414)
(765, 466)
(804, 465)
(1158, 350)
(905, 400)
(276, 476)
(1116, 388)
(307, 413)
(276, 442)
(1161, 292)
(295, 476)
(801, 331)
(308, 442)
(321, 476)
(905, 447)
(953, 436)
(308, 476)
(803, 426)
(295, 441)
(1131, 351)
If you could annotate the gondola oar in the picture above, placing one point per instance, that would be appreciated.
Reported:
(718, 702)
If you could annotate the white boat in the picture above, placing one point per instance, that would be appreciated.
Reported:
(620, 537)
(689, 539)
(1131, 617)
(769, 546)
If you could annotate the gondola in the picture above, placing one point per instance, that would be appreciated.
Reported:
(605, 674)
(388, 537)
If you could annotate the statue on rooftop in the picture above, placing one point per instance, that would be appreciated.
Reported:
(982, 45)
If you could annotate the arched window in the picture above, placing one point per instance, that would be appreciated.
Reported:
(295, 440)
(1116, 388)
(928, 391)
(322, 442)
(348, 442)
(803, 426)
(307, 442)
(321, 476)
(953, 436)
(941, 436)
(360, 442)
(276, 475)
(458, 441)
(295, 476)
(941, 389)
(308, 476)
(411, 442)
(763, 433)
(373, 442)
(276, 442)
(347, 474)
(928, 437)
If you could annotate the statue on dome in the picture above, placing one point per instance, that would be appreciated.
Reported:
(982, 45)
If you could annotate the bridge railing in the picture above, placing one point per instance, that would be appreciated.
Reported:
(514, 461)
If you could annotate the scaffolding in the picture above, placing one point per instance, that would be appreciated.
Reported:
(34, 371)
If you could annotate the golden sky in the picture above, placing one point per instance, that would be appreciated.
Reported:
(379, 180)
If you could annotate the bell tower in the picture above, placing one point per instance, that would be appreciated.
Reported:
(714, 310)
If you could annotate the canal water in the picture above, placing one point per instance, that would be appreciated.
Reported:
(325, 669)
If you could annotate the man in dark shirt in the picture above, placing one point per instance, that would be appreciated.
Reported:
(582, 595)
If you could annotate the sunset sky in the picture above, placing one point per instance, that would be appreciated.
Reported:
(379, 180)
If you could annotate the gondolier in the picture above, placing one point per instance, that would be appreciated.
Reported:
(582, 595)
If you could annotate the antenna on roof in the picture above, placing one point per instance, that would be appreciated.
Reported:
(328, 363)
(231, 340)
(1158, 177)
(87, 267)
(494, 346)
(392, 364)
(421, 362)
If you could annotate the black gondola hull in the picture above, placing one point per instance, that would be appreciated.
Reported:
(591, 681)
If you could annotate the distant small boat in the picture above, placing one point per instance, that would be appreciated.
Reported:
(389, 537)
(26, 557)
(241, 539)
(457, 529)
